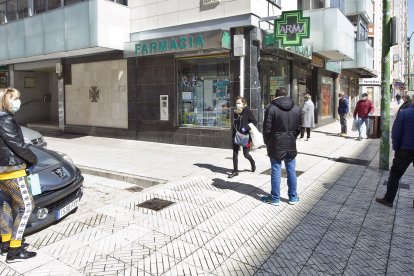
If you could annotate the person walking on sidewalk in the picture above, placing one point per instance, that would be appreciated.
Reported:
(364, 108)
(403, 145)
(281, 126)
(308, 113)
(407, 102)
(241, 119)
(15, 157)
(398, 98)
(343, 109)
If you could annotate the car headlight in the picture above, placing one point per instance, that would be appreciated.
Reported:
(68, 159)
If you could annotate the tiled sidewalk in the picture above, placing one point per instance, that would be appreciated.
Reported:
(219, 226)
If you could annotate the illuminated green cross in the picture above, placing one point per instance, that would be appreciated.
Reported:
(292, 27)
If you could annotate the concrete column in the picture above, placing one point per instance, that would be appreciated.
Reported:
(252, 89)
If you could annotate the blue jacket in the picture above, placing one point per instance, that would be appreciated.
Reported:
(343, 106)
(403, 130)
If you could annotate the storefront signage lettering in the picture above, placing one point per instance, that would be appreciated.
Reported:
(292, 27)
(216, 39)
(173, 44)
(370, 81)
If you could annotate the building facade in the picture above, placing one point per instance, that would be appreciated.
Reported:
(168, 71)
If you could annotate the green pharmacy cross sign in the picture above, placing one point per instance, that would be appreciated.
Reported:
(292, 27)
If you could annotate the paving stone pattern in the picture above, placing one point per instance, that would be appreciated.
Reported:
(218, 226)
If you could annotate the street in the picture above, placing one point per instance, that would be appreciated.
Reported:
(218, 226)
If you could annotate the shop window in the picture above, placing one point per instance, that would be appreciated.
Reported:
(326, 100)
(304, 5)
(318, 4)
(275, 73)
(203, 92)
(11, 10)
(3, 18)
(302, 81)
(39, 6)
(53, 4)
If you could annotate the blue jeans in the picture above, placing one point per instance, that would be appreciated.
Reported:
(290, 165)
(362, 121)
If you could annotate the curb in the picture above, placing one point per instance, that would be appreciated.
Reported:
(141, 181)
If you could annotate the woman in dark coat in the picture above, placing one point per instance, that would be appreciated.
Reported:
(241, 119)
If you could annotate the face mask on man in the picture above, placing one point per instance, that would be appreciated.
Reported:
(239, 106)
(16, 105)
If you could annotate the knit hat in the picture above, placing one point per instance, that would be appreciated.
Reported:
(364, 95)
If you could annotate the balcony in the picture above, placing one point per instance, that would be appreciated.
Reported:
(86, 27)
(363, 62)
(331, 34)
(361, 7)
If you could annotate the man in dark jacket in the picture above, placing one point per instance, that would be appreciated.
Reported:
(403, 145)
(343, 110)
(281, 126)
(364, 108)
(407, 102)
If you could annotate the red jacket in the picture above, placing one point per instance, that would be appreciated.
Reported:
(364, 108)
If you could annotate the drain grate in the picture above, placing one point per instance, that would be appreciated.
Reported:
(284, 173)
(352, 161)
(404, 186)
(155, 204)
(134, 189)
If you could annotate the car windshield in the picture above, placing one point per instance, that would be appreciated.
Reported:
(44, 159)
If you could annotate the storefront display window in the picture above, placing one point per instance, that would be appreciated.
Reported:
(302, 79)
(203, 92)
(327, 97)
(274, 74)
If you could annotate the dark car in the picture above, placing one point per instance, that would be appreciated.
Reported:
(33, 137)
(61, 188)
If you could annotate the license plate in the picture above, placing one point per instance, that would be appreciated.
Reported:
(66, 210)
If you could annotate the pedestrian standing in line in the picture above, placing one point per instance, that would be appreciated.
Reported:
(242, 117)
(364, 108)
(15, 157)
(407, 102)
(308, 113)
(403, 145)
(281, 126)
(398, 98)
(343, 109)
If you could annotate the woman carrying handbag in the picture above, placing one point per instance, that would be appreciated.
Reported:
(241, 119)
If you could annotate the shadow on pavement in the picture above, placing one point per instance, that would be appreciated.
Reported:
(333, 134)
(213, 168)
(346, 160)
(242, 188)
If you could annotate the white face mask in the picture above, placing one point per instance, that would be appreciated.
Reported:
(239, 106)
(16, 105)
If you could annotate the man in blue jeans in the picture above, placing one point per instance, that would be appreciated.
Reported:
(281, 126)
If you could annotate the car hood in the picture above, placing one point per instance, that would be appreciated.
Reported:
(53, 170)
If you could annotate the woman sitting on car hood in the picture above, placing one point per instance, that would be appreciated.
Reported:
(15, 157)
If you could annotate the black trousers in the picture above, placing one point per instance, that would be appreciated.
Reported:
(302, 133)
(235, 156)
(402, 159)
(342, 120)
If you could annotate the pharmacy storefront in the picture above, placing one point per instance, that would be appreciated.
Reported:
(180, 89)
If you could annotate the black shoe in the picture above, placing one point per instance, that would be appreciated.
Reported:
(4, 247)
(383, 202)
(233, 174)
(19, 253)
(253, 167)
